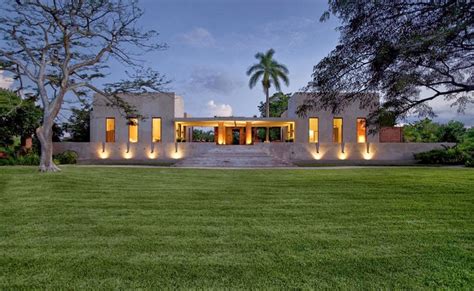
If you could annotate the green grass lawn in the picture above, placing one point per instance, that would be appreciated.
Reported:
(101, 227)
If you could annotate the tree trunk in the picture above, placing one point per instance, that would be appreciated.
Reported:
(45, 136)
(267, 131)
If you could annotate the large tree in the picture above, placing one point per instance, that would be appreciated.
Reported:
(270, 72)
(398, 49)
(60, 48)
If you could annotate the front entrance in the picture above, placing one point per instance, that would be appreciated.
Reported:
(235, 135)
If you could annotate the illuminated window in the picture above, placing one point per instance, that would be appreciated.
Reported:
(337, 130)
(361, 130)
(110, 130)
(133, 130)
(156, 129)
(313, 130)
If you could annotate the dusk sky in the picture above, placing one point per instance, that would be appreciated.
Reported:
(213, 42)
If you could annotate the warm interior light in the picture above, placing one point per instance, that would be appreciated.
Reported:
(337, 130)
(313, 130)
(361, 130)
(133, 130)
(156, 129)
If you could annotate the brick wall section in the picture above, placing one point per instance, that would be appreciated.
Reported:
(391, 134)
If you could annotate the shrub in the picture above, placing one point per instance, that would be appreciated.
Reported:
(67, 157)
(445, 156)
(30, 159)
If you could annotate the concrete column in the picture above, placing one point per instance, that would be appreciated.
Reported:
(248, 133)
(221, 133)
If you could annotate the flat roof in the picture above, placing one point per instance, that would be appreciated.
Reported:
(234, 121)
(232, 118)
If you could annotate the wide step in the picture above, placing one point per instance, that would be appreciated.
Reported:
(234, 157)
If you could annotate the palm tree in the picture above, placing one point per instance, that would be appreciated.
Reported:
(271, 72)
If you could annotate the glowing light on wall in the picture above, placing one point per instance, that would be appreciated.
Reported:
(317, 156)
(176, 155)
(103, 154)
(152, 155)
(128, 155)
(342, 156)
(368, 156)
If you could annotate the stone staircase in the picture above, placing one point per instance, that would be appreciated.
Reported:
(234, 156)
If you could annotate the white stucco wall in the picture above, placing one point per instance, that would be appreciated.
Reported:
(349, 115)
(163, 105)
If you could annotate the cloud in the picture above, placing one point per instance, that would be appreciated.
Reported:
(215, 109)
(213, 82)
(5, 82)
(198, 37)
(445, 112)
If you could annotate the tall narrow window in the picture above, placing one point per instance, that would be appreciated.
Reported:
(133, 130)
(313, 130)
(337, 130)
(361, 130)
(156, 129)
(110, 129)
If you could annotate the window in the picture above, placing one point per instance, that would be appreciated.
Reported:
(110, 129)
(133, 130)
(314, 130)
(361, 130)
(156, 129)
(337, 130)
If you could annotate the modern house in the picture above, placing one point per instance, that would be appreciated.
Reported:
(163, 132)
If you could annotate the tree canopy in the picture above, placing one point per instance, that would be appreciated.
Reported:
(59, 49)
(398, 49)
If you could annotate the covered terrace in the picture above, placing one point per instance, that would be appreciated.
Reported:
(234, 130)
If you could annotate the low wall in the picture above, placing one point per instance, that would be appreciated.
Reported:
(300, 152)
(114, 152)
(294, 152)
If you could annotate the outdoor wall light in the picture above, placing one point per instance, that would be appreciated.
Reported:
(128, 147)
(175, 147)
(152, 147)
(317, 147)
(367, 144)
(103, 147)
(342, 147)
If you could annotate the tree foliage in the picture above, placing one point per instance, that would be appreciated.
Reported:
(278, 105)
(398, 49)
(61, 48)
(200, 135)
(18, 118)
(426, 130)
(78, 124)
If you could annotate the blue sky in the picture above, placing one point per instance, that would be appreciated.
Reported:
(213, 42)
